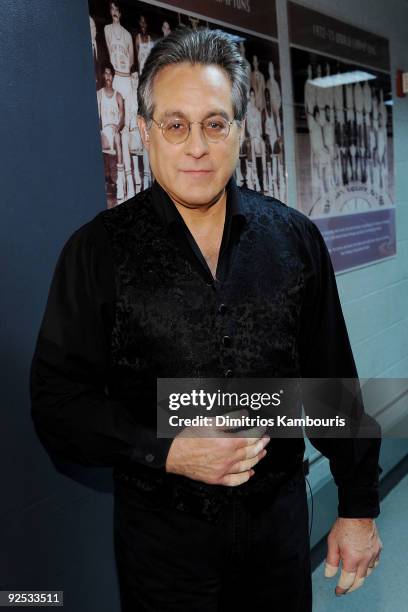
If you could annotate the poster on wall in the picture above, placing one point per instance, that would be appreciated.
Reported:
(344, 139)
(123, 33)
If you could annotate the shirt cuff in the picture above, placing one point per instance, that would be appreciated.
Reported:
(154, 457)
(358, 502)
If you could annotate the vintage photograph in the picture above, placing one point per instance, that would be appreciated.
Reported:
(343, 103)
(343, 136)
(122, 34)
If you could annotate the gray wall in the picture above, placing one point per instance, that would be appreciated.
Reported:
(56, 528)
(374, 298)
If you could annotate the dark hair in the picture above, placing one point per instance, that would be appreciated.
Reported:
(117, 3)
(108, 65)
(201, 46)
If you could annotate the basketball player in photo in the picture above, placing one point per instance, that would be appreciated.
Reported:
(276, 105)
(166, 29)
(135, 141)
(361, 152)
(341, 136)
(96, 54)
(309, 92)
(272, 144)
(275, 97)
(111, 111)
(120, 47)
(257, 145)
(143, 43)
(258, 84)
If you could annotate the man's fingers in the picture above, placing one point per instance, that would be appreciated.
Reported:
(233, 480)
(360, 577)
(330, 570)
(248, 435)
(345, 581)
(358, 582)
(243, 466)
(372, 565)
(353, 575)
(248, 452)
(332, 559)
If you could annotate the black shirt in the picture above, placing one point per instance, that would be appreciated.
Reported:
(132, 299)
(174, 222)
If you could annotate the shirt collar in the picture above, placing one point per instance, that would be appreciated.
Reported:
(168, 214)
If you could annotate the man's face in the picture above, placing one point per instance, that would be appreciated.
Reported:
(108, 77)
(143, 24)
(196, 171)
(115, 12)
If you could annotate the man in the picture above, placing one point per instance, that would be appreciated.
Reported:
(143, 42)
(112, 119)
(98, 52)
(166, 29)
(273, 146)
(135, 142)
(195, 278)
(120, 47)
(257, 145)
(275, 96)
(258, 84)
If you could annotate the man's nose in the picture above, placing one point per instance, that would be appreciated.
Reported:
(196, 143)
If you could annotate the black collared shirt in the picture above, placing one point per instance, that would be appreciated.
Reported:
(174, 222)
(132, 300)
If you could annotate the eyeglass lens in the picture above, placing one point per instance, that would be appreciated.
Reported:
(177, 130)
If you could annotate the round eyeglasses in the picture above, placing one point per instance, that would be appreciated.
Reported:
(178, 130)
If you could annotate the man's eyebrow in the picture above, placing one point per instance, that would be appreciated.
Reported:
(210, 113)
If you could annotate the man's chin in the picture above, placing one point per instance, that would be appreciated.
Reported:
(199, 194)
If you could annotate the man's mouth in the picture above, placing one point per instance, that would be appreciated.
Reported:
(198, 171)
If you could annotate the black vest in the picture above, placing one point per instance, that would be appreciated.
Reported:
(168, 322)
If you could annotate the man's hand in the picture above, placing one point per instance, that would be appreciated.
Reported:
(357, 543)
(213, 456)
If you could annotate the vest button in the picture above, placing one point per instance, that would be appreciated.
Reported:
(149, 458)
(222, 309)
(228, 373)
(227, 341)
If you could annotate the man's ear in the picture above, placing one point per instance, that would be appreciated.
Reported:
(144, 131)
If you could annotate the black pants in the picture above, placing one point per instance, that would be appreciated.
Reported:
(168, 560)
